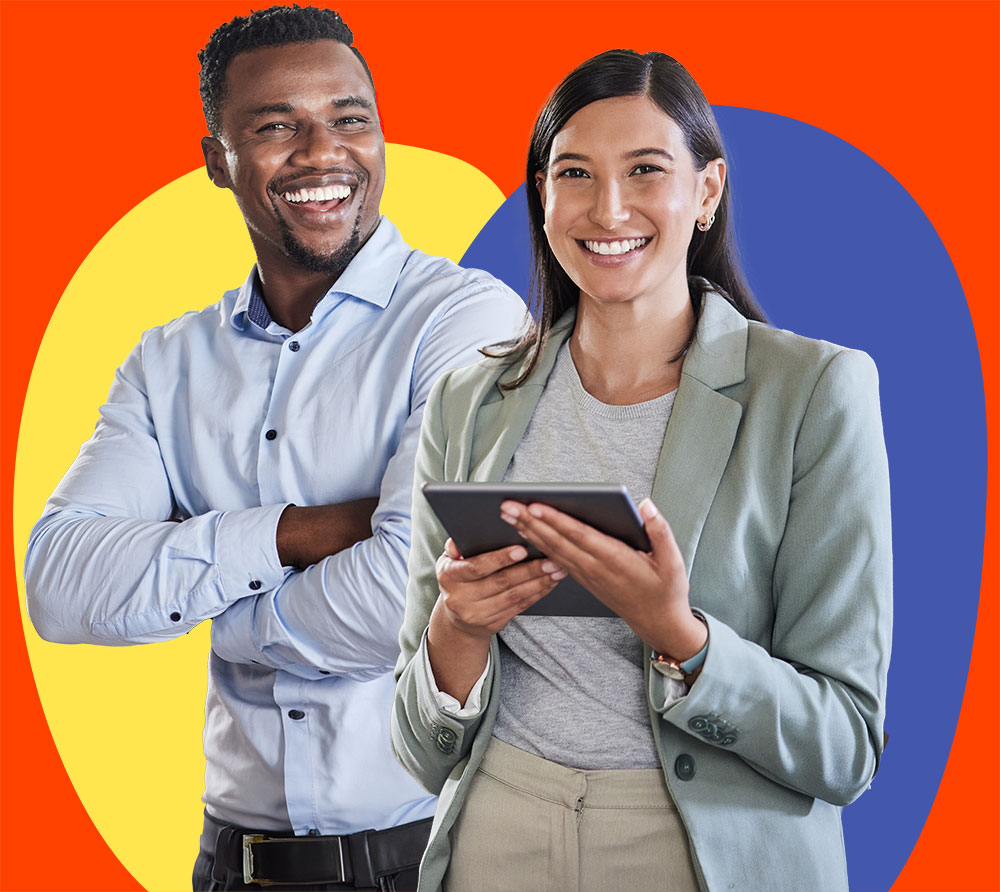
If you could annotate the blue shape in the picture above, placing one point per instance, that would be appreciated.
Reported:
(835, 247)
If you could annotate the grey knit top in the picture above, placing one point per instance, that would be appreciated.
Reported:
(572, 688)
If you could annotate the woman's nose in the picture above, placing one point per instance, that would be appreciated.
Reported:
(610, 208)
(320, 147)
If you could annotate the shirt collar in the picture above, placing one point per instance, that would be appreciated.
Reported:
(371, 276)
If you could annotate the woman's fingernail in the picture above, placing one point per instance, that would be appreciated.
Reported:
(511, 508)
(648, 510)
(517, 553)
(535, 510)
(549, 567)
(559, 574)
(508, 518)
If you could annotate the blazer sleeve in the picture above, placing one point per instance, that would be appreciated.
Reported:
(807, 712)
(428, 740)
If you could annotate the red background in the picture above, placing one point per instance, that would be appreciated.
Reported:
(100, 109)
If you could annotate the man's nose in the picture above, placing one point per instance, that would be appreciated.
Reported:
(610, 207)
(319, 147)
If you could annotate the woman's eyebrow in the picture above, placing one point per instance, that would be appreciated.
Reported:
(568, 156)
(638, 153)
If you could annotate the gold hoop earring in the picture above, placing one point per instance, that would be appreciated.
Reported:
(704, 226)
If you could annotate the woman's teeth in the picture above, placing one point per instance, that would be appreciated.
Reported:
(619, 247)
(323, 193)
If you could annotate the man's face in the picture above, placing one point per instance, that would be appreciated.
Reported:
(302, 151)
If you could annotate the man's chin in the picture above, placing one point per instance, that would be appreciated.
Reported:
(313, 261)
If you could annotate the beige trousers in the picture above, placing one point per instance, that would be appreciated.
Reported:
(531, 825)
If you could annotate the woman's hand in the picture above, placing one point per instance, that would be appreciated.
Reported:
(479, 596)
(649, 591)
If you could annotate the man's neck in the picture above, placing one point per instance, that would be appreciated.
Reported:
(291, 295)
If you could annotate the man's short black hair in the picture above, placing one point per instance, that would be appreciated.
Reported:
(277, 26)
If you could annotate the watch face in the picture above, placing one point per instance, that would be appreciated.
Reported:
(670, 670)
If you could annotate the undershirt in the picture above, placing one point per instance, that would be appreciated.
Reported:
(572, 688)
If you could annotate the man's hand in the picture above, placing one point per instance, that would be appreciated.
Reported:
(307, 535)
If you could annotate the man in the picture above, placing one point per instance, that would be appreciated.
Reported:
(253, 464)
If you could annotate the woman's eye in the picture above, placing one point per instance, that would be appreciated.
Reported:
(645, 168)
(573, 173)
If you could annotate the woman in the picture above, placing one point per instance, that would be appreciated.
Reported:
(708, 738)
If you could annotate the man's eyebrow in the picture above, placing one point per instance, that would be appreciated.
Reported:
(276, 108)
(286, 108)
(352, 100)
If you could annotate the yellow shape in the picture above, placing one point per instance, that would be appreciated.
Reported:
(128, 721)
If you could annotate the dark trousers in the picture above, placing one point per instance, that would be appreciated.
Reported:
(208, 877)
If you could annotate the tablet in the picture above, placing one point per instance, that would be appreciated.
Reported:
(470, 513)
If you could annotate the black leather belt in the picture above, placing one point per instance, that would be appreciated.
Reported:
(269, 857)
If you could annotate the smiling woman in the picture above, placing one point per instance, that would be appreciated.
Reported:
(707, 735)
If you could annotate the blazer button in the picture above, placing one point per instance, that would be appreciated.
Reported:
(446, 740)
(684, 767)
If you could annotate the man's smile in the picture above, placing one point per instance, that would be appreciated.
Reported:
(320, 194)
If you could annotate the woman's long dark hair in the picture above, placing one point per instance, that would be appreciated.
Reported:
(711, 255)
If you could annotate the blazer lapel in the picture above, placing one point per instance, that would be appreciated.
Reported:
(703, 424)
(700, 435)
(501, 423)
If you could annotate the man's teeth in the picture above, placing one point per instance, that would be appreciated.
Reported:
(619, 247)
(323, 193)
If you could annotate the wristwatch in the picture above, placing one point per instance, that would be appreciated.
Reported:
(672, 668)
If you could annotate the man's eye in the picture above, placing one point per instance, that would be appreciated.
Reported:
(351, 122)
(273, 127)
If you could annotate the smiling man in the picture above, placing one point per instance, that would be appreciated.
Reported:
(253, 465)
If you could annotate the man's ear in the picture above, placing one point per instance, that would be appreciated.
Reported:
(215, 162)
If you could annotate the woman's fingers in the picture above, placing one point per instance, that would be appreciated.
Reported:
(480, 566)
(572, 544)
(666, 553)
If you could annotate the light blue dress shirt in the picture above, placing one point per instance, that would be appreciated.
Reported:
(214, 424)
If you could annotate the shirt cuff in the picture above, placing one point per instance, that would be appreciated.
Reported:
(448, 703)
(665, 692)
(247, 551)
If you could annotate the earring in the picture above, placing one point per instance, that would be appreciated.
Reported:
(706, 225)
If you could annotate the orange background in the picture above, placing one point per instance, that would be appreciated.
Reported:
(100, 109)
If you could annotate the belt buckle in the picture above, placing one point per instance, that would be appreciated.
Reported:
(248, 840)
(251, 839)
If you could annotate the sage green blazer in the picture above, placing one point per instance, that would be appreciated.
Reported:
(773, 477)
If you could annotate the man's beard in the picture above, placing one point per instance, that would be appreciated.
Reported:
(312, 261)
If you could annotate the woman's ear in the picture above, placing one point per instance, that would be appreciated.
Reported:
(713, 181)
(540, 185)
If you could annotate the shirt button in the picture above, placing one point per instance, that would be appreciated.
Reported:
(293, 346)
(255, 584)
(296, 714)
(684, 767)
(271, 434)
(175, 616)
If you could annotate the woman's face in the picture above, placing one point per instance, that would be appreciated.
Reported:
(621, 198)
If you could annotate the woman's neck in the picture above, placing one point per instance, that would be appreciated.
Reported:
(623, 352)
